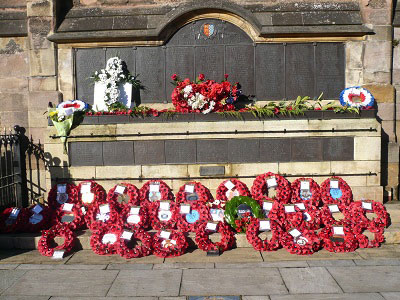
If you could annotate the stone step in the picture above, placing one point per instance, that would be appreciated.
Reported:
(393, 208)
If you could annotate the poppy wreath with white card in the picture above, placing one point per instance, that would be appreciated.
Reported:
(39, 218)
(364, 241)
(169, 243)
(259, 225)
(124, 195)
(302, 215)
(264, 182)
(274, 211)
(163, 215)
(138, 234)
(306, 190)
(192, 190)
(336, 190)
(62, 193)
(90, 192)
(135, 217)
(300, 241)
(13, 219)
(100, 214)
(105, 239)
(203, 236)
(48, 236)
(338, 238)
(189, 215)
(328, 212)
(155, 190)
(71, 215)
(229, 189)
(359, 210)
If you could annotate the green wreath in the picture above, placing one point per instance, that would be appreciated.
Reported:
(232, 205)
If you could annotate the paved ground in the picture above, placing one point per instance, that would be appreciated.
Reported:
(364, 274)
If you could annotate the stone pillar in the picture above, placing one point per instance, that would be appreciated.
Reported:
(42, 65)
(377, 77)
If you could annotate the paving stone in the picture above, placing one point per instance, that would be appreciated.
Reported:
(391, 295)
(309, 280)
(130, 267)
(146, 283)
(352, 296)
(255, 298)
(332, 263)
(278, 264)
(378, 262)
(250, 282)
(9, 277)
(61, 267)
(89, 257)
(172, 298)
(25, 298)
(385, 251)
(27, 257)
(103, 298)
(8, 266)
(193, 265)
(235, 255)
(283, 254)
(367, 279)
(63, 283)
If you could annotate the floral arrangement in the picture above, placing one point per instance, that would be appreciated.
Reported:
(112, 76)
(363, 240)
(346, 242)
(232, 215)
(135, 217)
(40, 217)
(357, 97)
(48, 236)
(300, 241)
(328, 211)
(105, 239)
(253, 231)
(203, 194)
(359, 209)
(13, 219)
(124, 195)
(173, 245)
(71, 211)
(163, 218)
(229, 189)
(301, 215)
(204, 96)
(101, 214)
(306, 190)
(187, 221)
(264, 182)
(336, 190)
(142, 250)
(149, 194)
(89, 193)
(203, 240)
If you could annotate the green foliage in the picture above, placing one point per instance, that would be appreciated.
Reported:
(231, 113)
(232, 205)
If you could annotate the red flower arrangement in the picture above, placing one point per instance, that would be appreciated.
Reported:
(340, 194)
(306, 243)
(203, 240)
(253, 231)
(363, 240)
(203, 193)
(78, 221)
(277, 212)
(239, 189)
(99, 215)
(124, 189)
(349, 243)
(13, 219)
(137, 220)
(313, 196)
(359, 209)
(242, 223)
(48, 236)
(188, 222)
(55, 200)
(165, 192)
(98, 243)
(38, 221)
(259, 190)
(155, 213)
(304, 216)
(327, 214)
(87, 187)
(174, 245)
(203, 95)
(139, 250)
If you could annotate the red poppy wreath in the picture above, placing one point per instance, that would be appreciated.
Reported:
(264, 182)
(124, 195)
(301, 215)
(193, 192)
(360, 209)
(300, 241)
(138, 234)
(99, 215)
(205, 229)
(306, 190)
(135, 217)
(62, 193)
(229, 189)
(255, 227)
(169, 243)
(47, 239)
(336, 190)
(71, 215)
(13, 219)
(155, 190)
(90, 192)
(364, 241)
(39, 218)
(189, 215)
(105, 239)
(163, 215)
(338, 238)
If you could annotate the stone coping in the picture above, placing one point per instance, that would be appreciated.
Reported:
(215, 117)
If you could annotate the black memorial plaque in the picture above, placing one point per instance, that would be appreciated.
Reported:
(212, 151)
(118, 153)
(306, 149)
(338, 148)
(180, 151)
(88, 61)
(330, 69)
(149, 152)
(150, 64)
(86, 153)
(210, 62)
(270, 80)
(243, 150)
(299, 70)
(272, 150)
